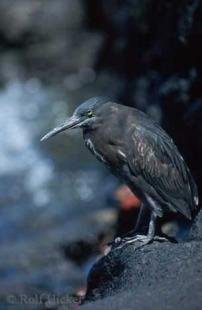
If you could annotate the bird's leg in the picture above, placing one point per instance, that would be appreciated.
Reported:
(134, 231)
(150, 235)
(139, 218)
(152, 226)
(138, 223)
(142, 240)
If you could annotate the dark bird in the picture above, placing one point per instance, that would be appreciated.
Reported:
(140, 153)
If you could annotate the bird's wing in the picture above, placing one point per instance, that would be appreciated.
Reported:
(156, 158)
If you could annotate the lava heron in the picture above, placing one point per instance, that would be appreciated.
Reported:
(140, 153)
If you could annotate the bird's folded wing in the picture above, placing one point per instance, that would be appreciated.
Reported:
(156, 158)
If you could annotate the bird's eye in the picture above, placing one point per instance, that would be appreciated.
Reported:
(89, 114)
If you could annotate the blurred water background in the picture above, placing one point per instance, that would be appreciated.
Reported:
(53, 56)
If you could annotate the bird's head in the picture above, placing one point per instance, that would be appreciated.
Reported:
(87, 115)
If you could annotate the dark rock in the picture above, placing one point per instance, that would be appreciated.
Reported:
(157, 276)
(196, 228)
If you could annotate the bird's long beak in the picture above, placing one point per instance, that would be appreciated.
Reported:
(72, 122)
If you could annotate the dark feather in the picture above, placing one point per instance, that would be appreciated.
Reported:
(156, 158)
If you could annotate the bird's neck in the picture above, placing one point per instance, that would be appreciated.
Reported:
(103, 135)
(108, 129)
(90, 132)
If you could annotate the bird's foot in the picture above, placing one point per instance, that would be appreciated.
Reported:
(139, 240)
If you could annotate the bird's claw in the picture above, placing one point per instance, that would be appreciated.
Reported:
(115, 242)
(141, 240)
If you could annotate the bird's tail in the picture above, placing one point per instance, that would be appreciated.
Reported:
(194, 194)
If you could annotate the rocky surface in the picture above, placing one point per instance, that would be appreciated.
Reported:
(157, 276)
